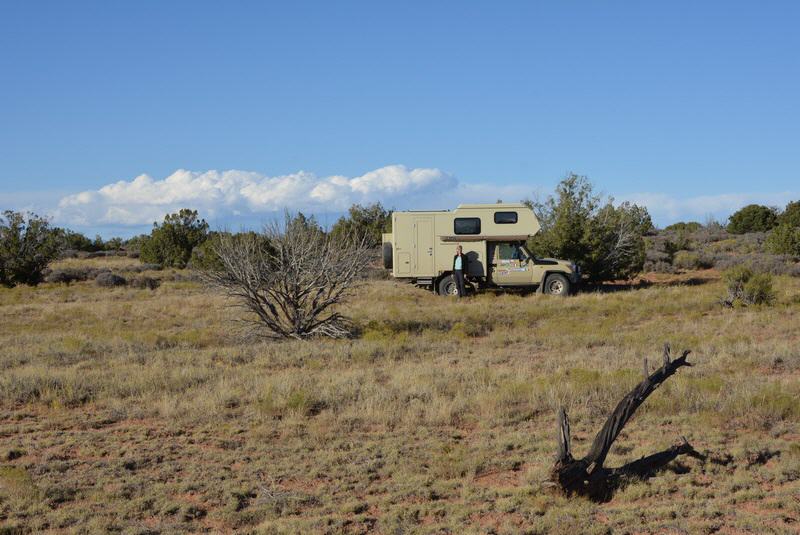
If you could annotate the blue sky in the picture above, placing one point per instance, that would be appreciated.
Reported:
(250, 107)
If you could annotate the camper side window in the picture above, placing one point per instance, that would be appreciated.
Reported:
(505, 218)
(467, 225)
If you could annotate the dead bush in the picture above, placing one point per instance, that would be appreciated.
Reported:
(69, 253)
(146, 267)
(144, 283)
(74, 274)
(709, 234)
(758, 263)
(658, 266)
(66, 276)
(103, 254)
(692, 260)
(110, 280)
(290, 278)
(183, 276)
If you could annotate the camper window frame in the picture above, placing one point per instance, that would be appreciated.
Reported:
(506, 213)
(460, 219)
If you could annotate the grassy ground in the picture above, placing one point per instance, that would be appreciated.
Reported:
(139, 411)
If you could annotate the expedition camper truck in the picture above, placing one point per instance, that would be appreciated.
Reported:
(422, 244)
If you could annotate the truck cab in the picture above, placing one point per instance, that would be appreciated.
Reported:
(421, 247)
(510, 265)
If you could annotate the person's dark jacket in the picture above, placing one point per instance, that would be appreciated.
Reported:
(464, 263)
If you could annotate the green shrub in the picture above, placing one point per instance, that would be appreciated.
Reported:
(747, 288)
(791, 215)
(774, 403)
(784, 239)
(753, 218)
(682, 226)
(27, 245)
(759, 290)
(369, 221)
(76, 241)
(204, 257)
(737, 276)
(471, 328)
(135, 244)
(19, 485)
(607, 241)
(171, 243)
(692, 260)
(686, 260)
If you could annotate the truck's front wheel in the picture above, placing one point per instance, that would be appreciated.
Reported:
(556, 284)
(448, 286)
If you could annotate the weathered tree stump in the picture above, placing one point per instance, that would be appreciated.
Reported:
(588, 476)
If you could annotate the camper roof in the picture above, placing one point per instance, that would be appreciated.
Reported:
(493, 205)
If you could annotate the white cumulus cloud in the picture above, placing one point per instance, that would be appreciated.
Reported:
(221, 193)
(224, 196)
(666, 209)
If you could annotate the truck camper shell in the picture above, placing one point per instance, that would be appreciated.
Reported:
(422, 245)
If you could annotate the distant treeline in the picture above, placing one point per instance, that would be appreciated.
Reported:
(29, 242)
(762, 238)
(608, 242)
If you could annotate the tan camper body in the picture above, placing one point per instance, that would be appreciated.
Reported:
(422, 245)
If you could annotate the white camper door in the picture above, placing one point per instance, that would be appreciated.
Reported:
(423, 244)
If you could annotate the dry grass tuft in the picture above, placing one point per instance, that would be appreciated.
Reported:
(132, 409)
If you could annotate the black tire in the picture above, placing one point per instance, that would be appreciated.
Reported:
(387, 255)
(448, 287)
(556, 284)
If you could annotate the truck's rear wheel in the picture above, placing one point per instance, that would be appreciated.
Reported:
(448, 286)
(556, 284)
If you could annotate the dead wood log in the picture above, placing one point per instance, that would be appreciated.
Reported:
(587, 476)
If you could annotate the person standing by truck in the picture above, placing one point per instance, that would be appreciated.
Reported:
(460, 263)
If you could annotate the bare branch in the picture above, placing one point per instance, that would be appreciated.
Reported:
(291, 278)
(627, 406)
(564, 453)
(588, 476)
